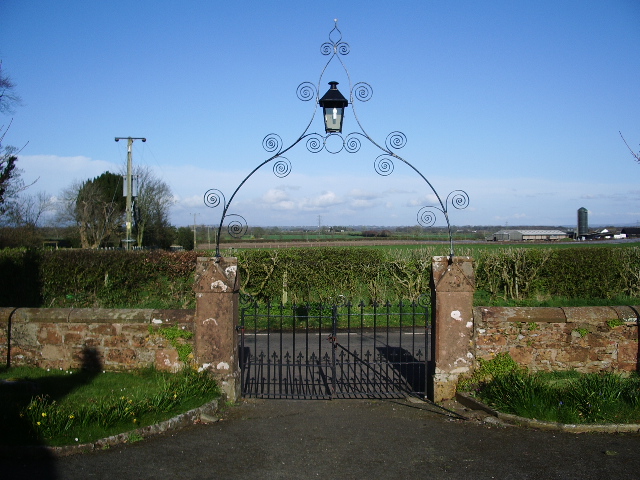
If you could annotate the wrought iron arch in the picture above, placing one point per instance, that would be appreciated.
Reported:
(335, 49)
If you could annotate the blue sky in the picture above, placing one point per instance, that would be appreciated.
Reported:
(517, 103)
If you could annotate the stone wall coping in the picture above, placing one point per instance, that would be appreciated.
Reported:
(95, 315)
(627, 314)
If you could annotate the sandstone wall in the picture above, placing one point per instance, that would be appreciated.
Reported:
(587, 339)
(121, 339)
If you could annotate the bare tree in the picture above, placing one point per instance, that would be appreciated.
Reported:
(27, 210)
(151, 207)
(635, 155)
(8, 98)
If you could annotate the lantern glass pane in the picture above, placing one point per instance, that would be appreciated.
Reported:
(333, 119)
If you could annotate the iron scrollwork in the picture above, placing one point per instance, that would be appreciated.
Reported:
(315, 142)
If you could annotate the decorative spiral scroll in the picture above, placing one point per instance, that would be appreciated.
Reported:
(352, 143)
(315, 143)
(427, 216)
(424, 300)
(213, 198)
(362, 91)
(396, 140)
(247, 300)
(327, 48)
(459, 199)
(343, 48)
(306, 91)
(237, 227)
(272, 143)
(383, 165)
(282, 167)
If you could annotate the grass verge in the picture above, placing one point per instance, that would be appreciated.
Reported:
(564, 397)
(57, 407)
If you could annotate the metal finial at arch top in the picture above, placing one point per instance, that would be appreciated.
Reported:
(315, 142)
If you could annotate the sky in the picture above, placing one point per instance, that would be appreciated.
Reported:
(518, 104)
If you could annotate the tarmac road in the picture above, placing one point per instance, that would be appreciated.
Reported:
(305, 365)
(347, 439)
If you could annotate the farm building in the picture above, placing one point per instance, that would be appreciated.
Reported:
(631, 231)
(528, 235)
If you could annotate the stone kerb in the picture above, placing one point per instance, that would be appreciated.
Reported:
(217, 287)
(453, 286)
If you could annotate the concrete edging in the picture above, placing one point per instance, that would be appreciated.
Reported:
(471, 402)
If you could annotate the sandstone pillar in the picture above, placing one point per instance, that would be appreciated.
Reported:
(217, 286)
(453, 285)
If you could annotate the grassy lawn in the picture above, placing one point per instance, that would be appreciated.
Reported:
(57, 407)
(564, 397)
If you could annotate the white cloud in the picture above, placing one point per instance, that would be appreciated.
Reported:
(322, 201)
(274, 196)
(426, 200)
(364, 195)
(356, 198)
(55, 173)
(362, 203)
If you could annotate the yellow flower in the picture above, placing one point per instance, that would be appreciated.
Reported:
(44, 414)
(71, 416)
(38, 423)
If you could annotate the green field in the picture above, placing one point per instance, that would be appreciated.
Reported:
(461, 247)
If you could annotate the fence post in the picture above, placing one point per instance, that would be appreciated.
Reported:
(453, 285)
(217, 286)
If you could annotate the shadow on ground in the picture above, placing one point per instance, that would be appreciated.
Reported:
(20, 443)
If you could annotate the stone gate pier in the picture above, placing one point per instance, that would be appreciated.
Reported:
(452, 316)
(217, 288)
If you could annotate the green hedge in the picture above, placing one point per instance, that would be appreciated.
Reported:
(335, 274)
(158, 279)
(577, 272)
(96, 278)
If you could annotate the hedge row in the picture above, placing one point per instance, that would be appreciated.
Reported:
(96, 278)
(335, 274)
(577, 272)
(118, 279)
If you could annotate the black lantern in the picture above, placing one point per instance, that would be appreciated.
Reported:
(333, 104)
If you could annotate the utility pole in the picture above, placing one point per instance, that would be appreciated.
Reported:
(129, 186)
(194, 231)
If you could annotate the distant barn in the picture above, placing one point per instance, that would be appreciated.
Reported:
(528, 235)
(631, 231)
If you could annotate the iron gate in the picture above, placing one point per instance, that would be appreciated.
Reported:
(319, 351)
